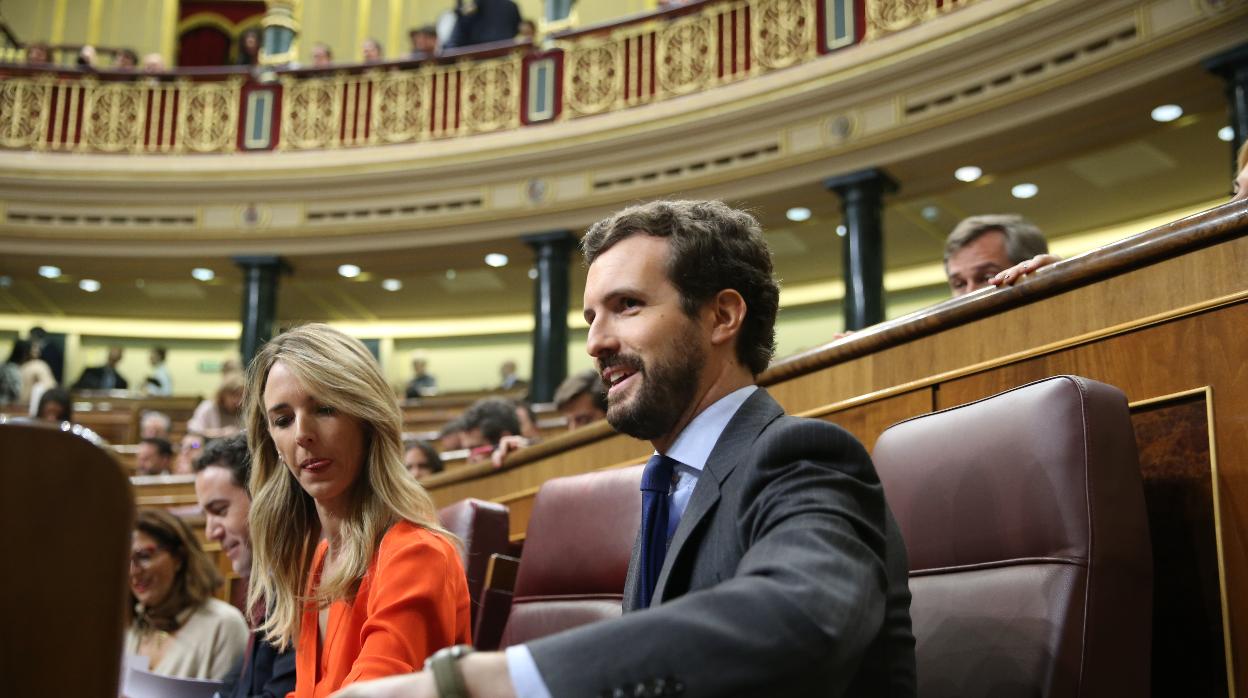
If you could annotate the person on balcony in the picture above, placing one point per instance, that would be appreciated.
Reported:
(372, 51)
(484, 21)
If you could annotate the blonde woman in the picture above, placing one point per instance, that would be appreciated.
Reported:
(348, 554)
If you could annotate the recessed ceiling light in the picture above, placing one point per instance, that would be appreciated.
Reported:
(1026, 190)
(797, 214)
(6, 281)
(533, 273)
(1226, 134)
(350, 271)
(48, 271)
(89, 285)
(930, 213)
(496, 259)
(1167, 112)
(450, 274)
(392, 284)
(969, 173)
(203, 274)
(841, 230)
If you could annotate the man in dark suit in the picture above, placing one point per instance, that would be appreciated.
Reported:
(221, 476)
(768, 562)
(103, 377)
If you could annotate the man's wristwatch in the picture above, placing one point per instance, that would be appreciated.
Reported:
(446, 674)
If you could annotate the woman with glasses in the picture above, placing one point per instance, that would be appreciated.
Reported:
(176, 624)
(347, 552)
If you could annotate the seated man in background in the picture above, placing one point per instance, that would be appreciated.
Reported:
(422, 460)
(103, 377)
(422, 383)
(485, 423)
(768, 563)
(154, 425)
(981, 249)
(221, 476)
(581, 399)
(154, 457)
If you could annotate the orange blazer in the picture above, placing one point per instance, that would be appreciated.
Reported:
(412, 602)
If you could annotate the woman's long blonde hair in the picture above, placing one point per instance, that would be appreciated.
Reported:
(285, 529)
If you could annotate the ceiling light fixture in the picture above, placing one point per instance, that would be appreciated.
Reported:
(930, 213)
(89, 285)
(533, 273)
(797, 214)
(350, 271)
(450, 274)
(392, 284)
(1026, 190)
(203, 274)
(1167, 113)
(496, 259)
(48, 271)
(841, 230)
(1226, 134)
(969, 173)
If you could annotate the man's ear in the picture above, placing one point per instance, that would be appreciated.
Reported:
(727, 313)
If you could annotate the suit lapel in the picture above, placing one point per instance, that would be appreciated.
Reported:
(733, 445)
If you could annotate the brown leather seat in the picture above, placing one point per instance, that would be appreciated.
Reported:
(1030, 564)
(484, 529)
(576, 553)
(68, 510)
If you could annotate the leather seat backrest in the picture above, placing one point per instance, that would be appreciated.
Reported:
(1023, 516)
(576, 552)
(484, 529)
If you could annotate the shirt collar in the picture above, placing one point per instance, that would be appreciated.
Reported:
(694, 444)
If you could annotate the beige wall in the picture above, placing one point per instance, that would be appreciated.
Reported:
(144, 25)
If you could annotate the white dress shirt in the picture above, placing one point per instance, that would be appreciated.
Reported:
(691, 449)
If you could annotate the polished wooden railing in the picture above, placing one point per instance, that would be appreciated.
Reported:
(498, 87)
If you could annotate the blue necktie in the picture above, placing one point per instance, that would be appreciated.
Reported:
(656, 484)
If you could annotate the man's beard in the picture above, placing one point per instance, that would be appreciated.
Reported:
(667, 389)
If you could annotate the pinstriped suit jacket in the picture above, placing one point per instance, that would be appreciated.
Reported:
(786, 576)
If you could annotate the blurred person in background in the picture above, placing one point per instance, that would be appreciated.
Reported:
(372, 51)
(159, 382)
(322, 56)
(249, 47)
(154, 425)
(103, 377)
(126, 59)
(175, 621)
(422, 382)
(582, 399)
(55, 405)
(422, 460)
(154, 457)
(36, 376)
(221, 416)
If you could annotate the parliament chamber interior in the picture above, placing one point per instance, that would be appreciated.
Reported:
(183, 180)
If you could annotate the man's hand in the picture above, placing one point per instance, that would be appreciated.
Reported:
(485, 674)
(507, 444)
(1011, 276)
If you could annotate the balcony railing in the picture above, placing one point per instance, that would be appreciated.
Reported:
(586, 72)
